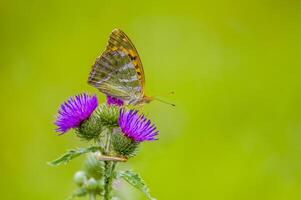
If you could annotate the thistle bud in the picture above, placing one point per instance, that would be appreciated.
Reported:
(90, 128)
(80, 178)
(108, 115)
(123, 145)
(93, 167)
(92, 185)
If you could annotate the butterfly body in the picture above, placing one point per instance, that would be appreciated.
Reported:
(118, 71)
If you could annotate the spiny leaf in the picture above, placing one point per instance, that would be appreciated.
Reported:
(135, 180)
(73, 153)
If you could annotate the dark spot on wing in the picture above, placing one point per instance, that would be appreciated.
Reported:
(132, 57)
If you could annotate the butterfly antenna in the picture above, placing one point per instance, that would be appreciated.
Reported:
(165, 102)
(167, 94)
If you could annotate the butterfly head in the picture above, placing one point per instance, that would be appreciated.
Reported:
(146, 99)
(140, 101)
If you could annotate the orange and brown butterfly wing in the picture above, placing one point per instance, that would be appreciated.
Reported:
(118, 71)
(119, 40)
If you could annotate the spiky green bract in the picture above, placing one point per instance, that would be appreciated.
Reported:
(73, 153)
(93, 167)
(123, 145)
(90, 128)
(135, 180)
(103, 117)
(108, 115)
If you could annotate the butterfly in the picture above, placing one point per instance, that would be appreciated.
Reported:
(118, 71)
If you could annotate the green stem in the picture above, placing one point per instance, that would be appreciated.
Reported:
(92, 196)
(107, 144)
(109, 169)
(108, 185)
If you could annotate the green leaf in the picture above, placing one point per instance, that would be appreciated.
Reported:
(135, 180)
(73, 153)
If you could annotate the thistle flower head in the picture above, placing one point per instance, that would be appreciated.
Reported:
(114, 101)
(74, 111)
(136, 127)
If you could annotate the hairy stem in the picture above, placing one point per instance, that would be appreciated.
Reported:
(110, 166)
(108, 141)
(109, 169)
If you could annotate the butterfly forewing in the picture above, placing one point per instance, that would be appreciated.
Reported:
(119, 40)
(118, 71)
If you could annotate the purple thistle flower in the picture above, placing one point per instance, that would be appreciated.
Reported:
(114, 101)
(74, 111)
(136, 127)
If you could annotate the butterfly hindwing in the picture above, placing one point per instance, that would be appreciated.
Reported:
(115, 75)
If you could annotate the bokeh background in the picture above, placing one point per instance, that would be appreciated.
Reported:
(234, 67)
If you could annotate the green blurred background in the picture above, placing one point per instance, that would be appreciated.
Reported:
(235, 70)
